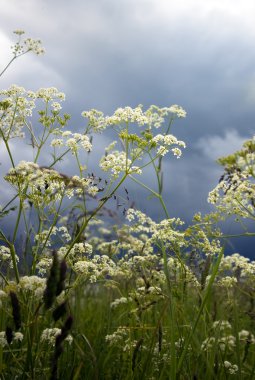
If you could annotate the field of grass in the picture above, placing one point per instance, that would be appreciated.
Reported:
(88, 293)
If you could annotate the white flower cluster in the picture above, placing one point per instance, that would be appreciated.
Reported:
(231, 368)
(141, 222)
(5, 256)
(227, 342)
(222, 325)
(236, 264)
(165, 141)
(80, 250)
(44, 265)
(50, 94)
(33, 284)
(246, 336)
(178, 111)
(165, 231)
(95, 268)
(17, 104)
(235, 193)
(34, 46)
(44, 185)
(224, 340)
(62, 232)
(29, 44)
(153, 116)
(117, 337)
(234, 200)
(227, 282)
(200, 242)
(17, 337)
(117, 162)
(120, 301)
(73, 141)
(181, 272)
(50, 335)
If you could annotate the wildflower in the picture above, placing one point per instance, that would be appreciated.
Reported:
(56, 106)
(15, 106)
(16, 337)
(222, 325)
(50, 94)
(117, 337)
(178, 111)
(56, 143)
(177, 152)
(117, 162)
(227, 342)
(19, 32)
(232, 368)
(49, 335)
(119, 301)
(227, 282)
(3, 340)
(153, 116)
(24, 46)
(162, 151)
(246, 336)
(33, 284)
(80, 249)
(208, 343)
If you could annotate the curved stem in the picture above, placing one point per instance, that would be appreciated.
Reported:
(157, 195)
(8, 64)
(85, 223)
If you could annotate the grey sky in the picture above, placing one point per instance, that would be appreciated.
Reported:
(108, 53)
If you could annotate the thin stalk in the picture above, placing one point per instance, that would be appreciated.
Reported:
(14, 261)
(235, 235)
(157, 195)
(85, 223)
(8, 148)
(49, 233)
(13, 59)
(8, 64)
(208, 290)
(172, 374)
(13, 199)
(17, 221)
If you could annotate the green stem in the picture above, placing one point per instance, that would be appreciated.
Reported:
(193, 329)
(14, 261)
(157, 195)
(17, 221)
(8, 64)
(7, 147)
(54, 222)
(85, 223)
(13, 59)
(234, 235)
